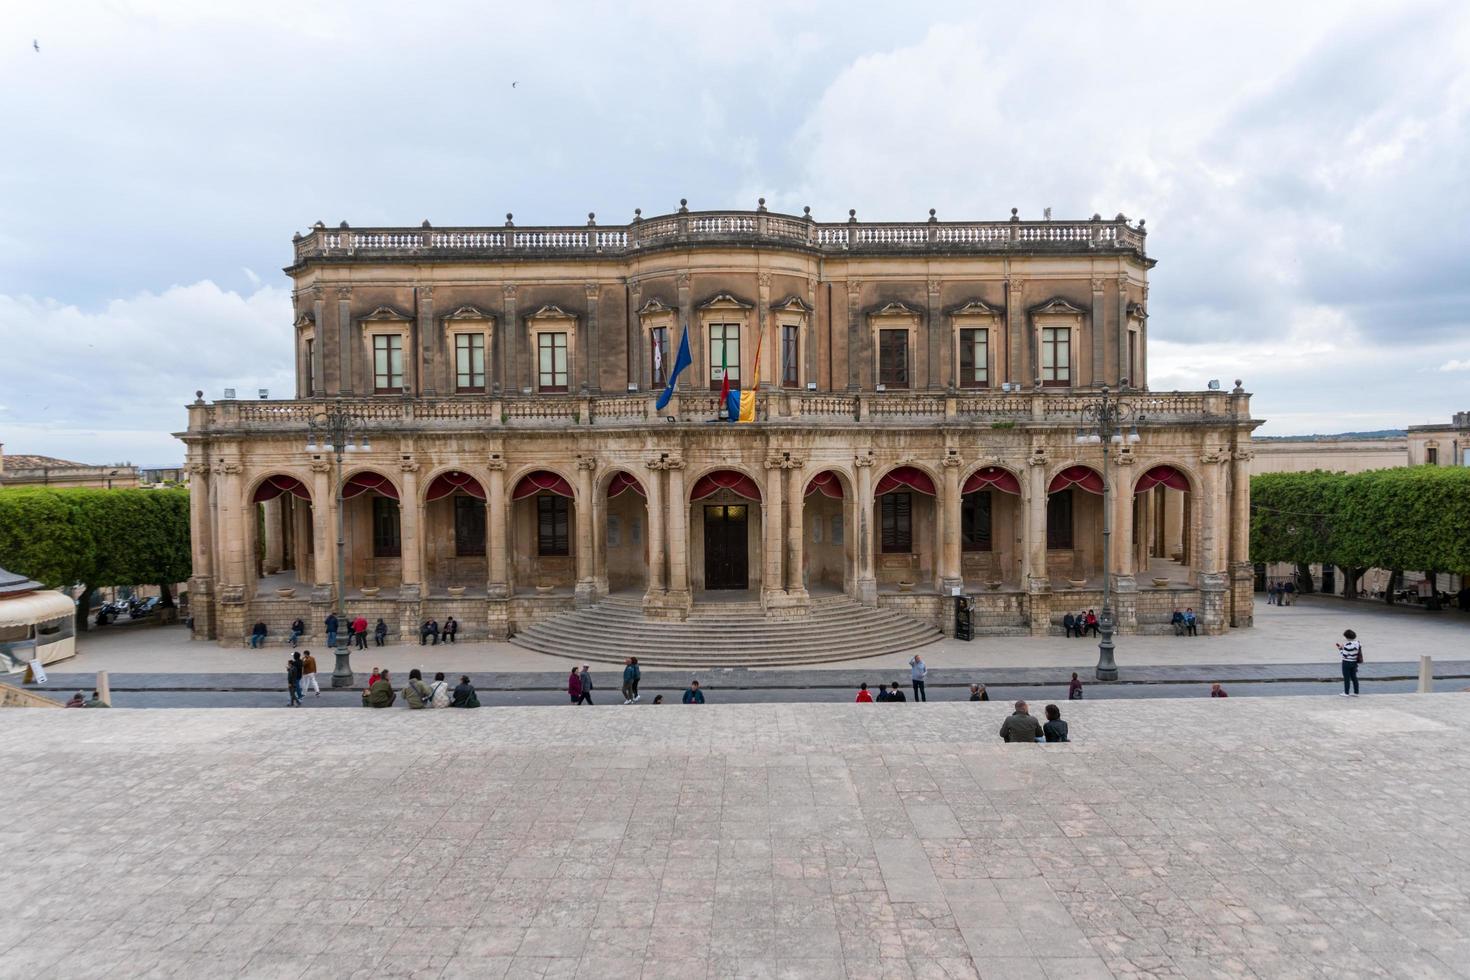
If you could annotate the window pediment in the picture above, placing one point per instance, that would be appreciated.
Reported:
(792, 304)
(895, 308)
(551, 312)
(469, 313)
(976, 307)
(386, 313)
(1057, 306)
(654, 307)
(724, 301)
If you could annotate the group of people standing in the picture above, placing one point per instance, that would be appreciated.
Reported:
(1080, 624)
(357, 631)
(1280, 593)
(301, 676)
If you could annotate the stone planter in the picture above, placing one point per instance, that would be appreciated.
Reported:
(994, 586)
(545, 589)
(285, 593)
(456, 590)
(371, 591)
(1077, 583)
(1161, 583)
(905, 586)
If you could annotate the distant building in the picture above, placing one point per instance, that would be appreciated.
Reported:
(1341, 454)
(48, 471)
(1441, 445)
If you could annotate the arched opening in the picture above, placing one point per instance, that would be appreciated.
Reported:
(455, 534)
(725, 532)
(283, 548)
(625, 537)
(906, 529)
(828, 547)
(544, 533)
(1163, 520)
(373, 534)
(1074, 521)
(990, 521)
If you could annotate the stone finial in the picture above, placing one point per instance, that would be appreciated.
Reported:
(1140, 225)
(760, 204)
(1239, 389)
(1121, 217)
(199, 396)
(1096, 216)
(1015, 214)
(319, 224)
(683, 205)
(591, 218)
(509, 220)
(852, 216)
(426, 224)
(807, 211)
(637, 215)
(344, 226)
(932, 218)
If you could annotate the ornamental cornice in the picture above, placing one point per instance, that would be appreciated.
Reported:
(551, 311)
(724, 300)
(976, 307)
(654, 306)
(895, 308)
(1057, 306)
(793, 304)
(469, 313)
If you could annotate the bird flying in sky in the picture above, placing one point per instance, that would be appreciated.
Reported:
(36, 44)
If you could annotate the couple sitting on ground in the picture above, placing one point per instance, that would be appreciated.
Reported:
(417, 694)
(1021, 727)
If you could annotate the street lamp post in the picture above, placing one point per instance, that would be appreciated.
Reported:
(1103, 423)
(337, 431)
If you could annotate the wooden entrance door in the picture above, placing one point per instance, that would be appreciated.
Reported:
(725, 549)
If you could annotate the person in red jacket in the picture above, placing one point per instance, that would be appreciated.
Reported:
(1216, 691)
(863, 697)
(359, 632)
(574, 686)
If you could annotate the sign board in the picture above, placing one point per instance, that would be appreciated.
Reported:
(37, 672)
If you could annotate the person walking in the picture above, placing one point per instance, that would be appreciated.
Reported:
(293, 679)
(257, 636)
(574, 686)
(1074, 689)
(308, 675)
(359, 630)
(586, 679)
(1288, 591)
(637, 677)
(1351, 653)
(451, 630)
(439, 692)
(863, 697)
(694, 695)
(331, 625)
(380, 632)
(1021, 727)
(918, 670)
(627, 680)
(297, 628)
(1055, 730)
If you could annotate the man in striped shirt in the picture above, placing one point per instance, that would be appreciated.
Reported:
(1352, 655)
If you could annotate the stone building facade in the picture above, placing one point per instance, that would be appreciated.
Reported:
(921, 395)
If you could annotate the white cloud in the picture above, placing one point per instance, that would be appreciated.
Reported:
(112, 383)
(1460, 364)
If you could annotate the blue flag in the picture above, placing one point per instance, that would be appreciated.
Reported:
(681, 361)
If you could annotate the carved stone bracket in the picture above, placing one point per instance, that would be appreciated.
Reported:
(586, 463)
(408, 465)
(320, 466)
(665, 463)
(495, 465)
(1243, 455)
(861, 461)
(951, 461)
(231, 469)
(508, 290)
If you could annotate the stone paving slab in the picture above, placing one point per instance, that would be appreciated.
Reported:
(1252, 837)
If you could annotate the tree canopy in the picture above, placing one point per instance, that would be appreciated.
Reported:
(95, 538)
(1415, 517)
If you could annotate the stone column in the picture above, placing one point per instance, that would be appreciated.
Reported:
(346, 338)
(586, 587)
(1125, 585)
(855, 346)
(201, 533)
(657, 520)
(496, 547)
(1038, 584)
(867, 580)
(1099, 340)
(410, 521)
(1122, 282)
(274, 539)
(640, 368)
(1209, 511)
(1016, 331)
(937, 332)
(589, 351)
(505, 338)
(232, 570)
(1242, 572)
(678, 536)
(795, 529)
(950, 574)
(773, 544)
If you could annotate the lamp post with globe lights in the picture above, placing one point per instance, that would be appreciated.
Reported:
(339, 431)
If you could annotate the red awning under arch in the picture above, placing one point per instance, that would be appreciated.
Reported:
(274, 486)
(624, 481)
(827, 483)
(1081, 477)
(446, 483)
(369, 483)
(737, 483)
(1162, 475)
(542, 480)
(992, 478)
(905, 478)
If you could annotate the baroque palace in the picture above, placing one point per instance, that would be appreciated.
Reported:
(921, 428)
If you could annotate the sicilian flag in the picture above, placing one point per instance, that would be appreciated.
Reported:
(740, 405)
(681, 361)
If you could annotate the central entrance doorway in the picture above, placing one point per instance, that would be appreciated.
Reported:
(725, 546)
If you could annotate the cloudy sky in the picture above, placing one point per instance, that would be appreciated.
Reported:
(1302, 168)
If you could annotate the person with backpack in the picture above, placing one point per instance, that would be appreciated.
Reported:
(439, 692)
(1351, 654)
(293, 679)
(630, 673)
(464, 694)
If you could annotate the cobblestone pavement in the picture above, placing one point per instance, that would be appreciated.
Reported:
(1249, 837)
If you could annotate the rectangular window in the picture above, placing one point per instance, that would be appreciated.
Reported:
(552, 520)
(974, 358)
(1059, 520)
(1431, 456)
(790, 375)
(386, 542)
(658, 347)
(893, 358)
(1056, 357)
(310, 386)
(469, 527)
(469, 362)
(975, 521)
(897, 523)
(551, 350)
(387, 363)
(724, 349)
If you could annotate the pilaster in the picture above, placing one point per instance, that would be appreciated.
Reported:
(1099, 335)
(433, 360)
(345, 340)
(657, 522)
(1038, 585)
(854, 343)
(497, 539)
(950, 574)
(505, 340)
(936, 333)
(795, 529)
(867, 579)
(586, 588)
(773, 583)
(589, 349)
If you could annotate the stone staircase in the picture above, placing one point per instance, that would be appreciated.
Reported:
(734, 634)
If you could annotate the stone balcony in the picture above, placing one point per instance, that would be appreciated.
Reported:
(741, 228)
(1043, 409)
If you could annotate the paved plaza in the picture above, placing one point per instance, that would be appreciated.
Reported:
(1249, 837)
